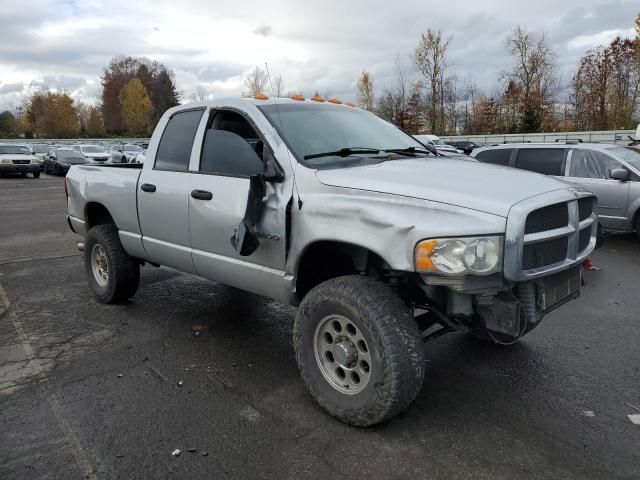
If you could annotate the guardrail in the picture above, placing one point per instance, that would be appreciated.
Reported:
(605, 136)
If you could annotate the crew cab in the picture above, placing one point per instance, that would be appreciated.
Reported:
(381, 244)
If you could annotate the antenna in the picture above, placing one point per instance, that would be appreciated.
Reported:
(291, 163)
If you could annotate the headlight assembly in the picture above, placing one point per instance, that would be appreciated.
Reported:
(459, 256)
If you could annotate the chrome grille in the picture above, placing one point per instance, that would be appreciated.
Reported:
(584, 239)
(547, 218)
(541, 254)
(549, 233)
(21, 162)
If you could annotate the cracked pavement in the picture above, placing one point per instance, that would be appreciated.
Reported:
(91, 391)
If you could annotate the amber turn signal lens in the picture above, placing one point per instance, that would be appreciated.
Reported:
(424, 252)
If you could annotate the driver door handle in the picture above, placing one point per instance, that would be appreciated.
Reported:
(148, 187)
(201, 195)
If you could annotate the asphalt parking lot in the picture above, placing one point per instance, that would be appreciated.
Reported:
(92, 391)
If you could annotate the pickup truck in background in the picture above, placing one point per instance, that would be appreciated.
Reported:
(381, 244)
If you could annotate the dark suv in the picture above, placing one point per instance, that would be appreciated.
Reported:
(612, 172)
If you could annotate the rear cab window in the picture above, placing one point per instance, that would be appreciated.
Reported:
(548, 161)
(174, 150)
(495, 156)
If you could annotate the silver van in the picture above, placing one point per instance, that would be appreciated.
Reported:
(612, 172)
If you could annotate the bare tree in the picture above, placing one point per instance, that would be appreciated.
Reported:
(255, 82)
(200, 95)
(365, 91)
(533, 72)
(278, 87)
(431, 61)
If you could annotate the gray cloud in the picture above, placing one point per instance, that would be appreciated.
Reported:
(11, 87)
(263, 30)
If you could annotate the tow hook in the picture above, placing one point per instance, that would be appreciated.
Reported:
(80, 246)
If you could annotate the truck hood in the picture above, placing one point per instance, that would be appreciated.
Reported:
(16, 156)
(478, 186)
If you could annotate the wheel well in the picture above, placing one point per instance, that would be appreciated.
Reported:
(97, 214)
(324, 260)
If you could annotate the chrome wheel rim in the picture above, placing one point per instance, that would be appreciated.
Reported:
(100, 265)
(342, 353)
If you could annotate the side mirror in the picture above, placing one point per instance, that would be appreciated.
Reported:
(619, 174)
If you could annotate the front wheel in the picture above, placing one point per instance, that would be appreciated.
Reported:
(36, 174)
(113, 275)
(359, 350)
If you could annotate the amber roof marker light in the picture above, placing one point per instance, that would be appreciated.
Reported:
(317, 98)
(334, 100)
(297, 96)
(261, 96)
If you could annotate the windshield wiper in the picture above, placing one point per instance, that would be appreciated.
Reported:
(412, 150)
(343, 152)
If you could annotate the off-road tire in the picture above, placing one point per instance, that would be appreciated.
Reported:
(124, 270)
(393, 340)
(36, 174)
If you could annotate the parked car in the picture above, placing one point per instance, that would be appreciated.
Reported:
(382, 244)
(466, 146)
(611, 172)
(40, 150)
(436, 142)
(124, 153)
(95, 153)
(60, 159)
(18, 159)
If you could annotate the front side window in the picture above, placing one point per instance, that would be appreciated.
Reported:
(591, 164)
(176, 143)
(231, 146)
(548, 161)
(496, 156)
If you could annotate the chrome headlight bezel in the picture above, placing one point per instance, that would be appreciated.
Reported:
(457, 256)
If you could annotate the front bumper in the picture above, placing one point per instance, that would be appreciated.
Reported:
(13, 168)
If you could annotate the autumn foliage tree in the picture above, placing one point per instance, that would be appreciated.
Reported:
(365, 91)
(157, 80)
(136, 107)
(52, 114)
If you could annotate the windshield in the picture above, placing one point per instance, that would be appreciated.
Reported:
(312, 129)
(41, 148)
(132, 148)
(14, 149)
(91, 149)
(628, 154)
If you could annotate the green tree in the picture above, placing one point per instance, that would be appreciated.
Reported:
(7, 124)
(136, 107)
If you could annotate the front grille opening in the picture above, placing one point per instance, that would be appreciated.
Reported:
(547, 218)
(584, 238)
(585, 207)
(536, 255)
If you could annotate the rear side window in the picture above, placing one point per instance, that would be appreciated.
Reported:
(548, 161)
(591, 164)
(496, 156)
(176, 143)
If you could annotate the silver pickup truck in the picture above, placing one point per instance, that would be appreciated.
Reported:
(382, 244)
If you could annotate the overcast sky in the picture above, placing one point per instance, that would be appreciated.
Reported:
(320, 46)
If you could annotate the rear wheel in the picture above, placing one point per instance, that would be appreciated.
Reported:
(36, 174)
(358, 350)
(113, 274)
